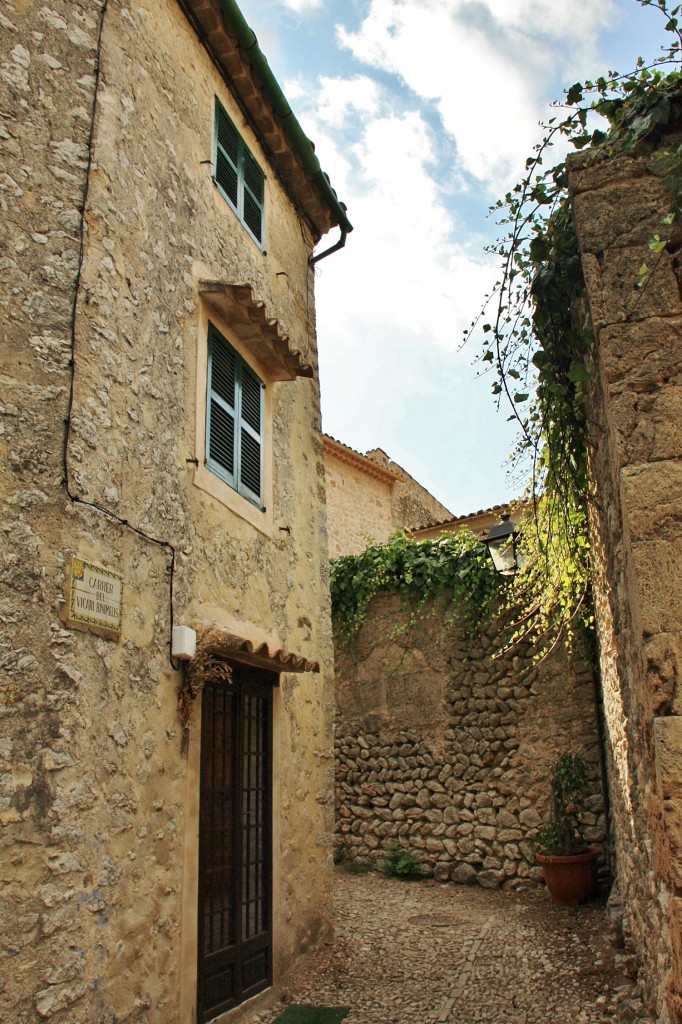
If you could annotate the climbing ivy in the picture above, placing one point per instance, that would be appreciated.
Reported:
(418, 570)
(536, 338)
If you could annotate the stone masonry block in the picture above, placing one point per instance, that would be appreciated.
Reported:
(663, 667)
(668, 755)
(621, 213)
(647, 427)
(612, 279)
(643, 355)
(652, 501)
(675, 980)
(656, 585)
(591, 169)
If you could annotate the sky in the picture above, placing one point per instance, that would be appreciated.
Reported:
(423, 113)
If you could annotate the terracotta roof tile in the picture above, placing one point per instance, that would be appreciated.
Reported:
(261, 655)
(349, 455)
(263, 334)
(496, 510)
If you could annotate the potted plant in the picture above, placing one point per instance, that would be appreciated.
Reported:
(569, 864)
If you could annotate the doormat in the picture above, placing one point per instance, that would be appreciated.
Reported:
(312, 1015)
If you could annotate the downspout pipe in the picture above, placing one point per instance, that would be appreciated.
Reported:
(300, 141)
(327, 252)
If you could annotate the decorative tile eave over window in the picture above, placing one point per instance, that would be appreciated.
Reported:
(222, 644)
(259, 333)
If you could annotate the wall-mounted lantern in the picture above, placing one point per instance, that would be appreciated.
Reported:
(502, 544)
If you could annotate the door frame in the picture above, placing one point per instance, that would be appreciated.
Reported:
(239, 870)
(190, 888)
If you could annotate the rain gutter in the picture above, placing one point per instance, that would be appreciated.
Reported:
(299, 140)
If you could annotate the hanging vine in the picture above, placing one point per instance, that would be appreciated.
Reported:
(536, 337)
(538, 343)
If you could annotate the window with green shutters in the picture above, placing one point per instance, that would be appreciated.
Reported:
(237, 175)
(234, 419)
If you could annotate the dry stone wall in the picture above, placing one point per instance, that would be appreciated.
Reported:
(635, 413)
(447, 751)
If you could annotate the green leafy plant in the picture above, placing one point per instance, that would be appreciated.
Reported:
(400, 862)
(562, 836)
(537, 341)
(456, 564)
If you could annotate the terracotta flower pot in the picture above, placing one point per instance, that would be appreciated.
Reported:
(571, 880)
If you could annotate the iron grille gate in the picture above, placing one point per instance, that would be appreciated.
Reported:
(235, 839)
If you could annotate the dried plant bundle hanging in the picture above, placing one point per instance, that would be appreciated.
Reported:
(206, 664)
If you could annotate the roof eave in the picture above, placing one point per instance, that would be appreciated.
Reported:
(234, 48)
(352, 457)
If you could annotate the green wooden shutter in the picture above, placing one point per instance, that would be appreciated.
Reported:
(254, 181)
(234, 419)
(237, 174)
(221, 403)
(251, 435)
(227, 156)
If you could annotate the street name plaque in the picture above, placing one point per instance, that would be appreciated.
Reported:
(95, 598)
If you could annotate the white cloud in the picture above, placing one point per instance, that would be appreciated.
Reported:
(402, 267)
(577, 22)
(485, 64)
(392, 306)
(338, 97)
(302, 6)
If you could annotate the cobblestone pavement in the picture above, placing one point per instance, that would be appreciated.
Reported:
(427, 953)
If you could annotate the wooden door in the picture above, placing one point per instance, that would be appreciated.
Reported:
(235, 840)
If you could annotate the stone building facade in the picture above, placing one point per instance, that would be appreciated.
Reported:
(636, 415)
(158, 217)
(369, 497)
(448, 751)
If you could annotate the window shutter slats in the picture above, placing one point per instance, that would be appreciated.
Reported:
(253, 216)
(251, 415)
(238, 174)
(223, 372)
(234, 418)
(227, 155)
(249, 470)
(253, 177)
(227, 177)
(253, 195)
(228, 136)
(251, 399)
(221, 438)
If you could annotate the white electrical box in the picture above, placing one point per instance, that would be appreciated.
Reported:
(184, 644)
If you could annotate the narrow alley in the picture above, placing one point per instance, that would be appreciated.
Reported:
(427, 953)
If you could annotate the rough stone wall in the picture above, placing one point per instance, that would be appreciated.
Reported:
(364, 508)
(635, 413)
(97, 804)
(358, 508)
(448, 752)
(411, 504)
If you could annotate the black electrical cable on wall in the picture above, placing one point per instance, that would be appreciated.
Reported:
(76, 499)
